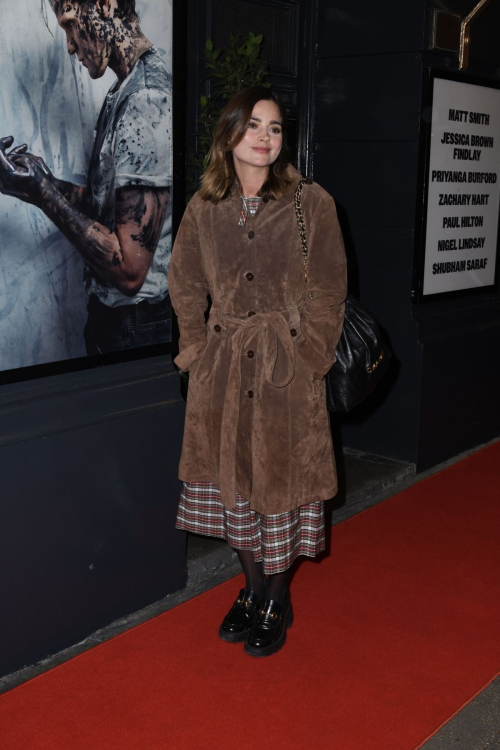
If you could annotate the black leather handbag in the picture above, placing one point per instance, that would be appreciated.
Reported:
(362, 354)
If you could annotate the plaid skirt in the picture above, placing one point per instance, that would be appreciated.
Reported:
(275, 540)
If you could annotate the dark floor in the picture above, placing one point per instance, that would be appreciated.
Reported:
(364, 480)
(475, 727)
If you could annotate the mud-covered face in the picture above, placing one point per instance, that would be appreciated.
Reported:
(89, 30)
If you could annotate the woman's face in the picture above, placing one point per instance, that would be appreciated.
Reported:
(263, 139)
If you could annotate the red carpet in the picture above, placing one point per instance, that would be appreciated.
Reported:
(393, 633)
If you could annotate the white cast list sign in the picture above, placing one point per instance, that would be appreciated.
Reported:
(463, 187)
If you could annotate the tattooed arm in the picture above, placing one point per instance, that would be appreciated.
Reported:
(74, 194)
(124, 256)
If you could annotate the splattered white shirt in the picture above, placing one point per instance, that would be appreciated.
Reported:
(133, 146)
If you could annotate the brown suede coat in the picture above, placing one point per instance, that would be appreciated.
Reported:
(256, 420)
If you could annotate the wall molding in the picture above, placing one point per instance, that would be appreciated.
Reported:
(36, 409)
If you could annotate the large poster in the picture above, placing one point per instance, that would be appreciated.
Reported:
(463, 187)
(85, 177)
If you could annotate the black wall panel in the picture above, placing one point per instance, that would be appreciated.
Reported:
(369, 181)
(347, 29)
(368, 99)
(460, 394)
(89, 495)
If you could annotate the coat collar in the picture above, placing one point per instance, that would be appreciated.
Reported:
(295, 176)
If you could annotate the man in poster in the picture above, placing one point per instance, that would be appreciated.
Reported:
(121, 222)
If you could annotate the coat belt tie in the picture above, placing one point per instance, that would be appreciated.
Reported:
(275, 357)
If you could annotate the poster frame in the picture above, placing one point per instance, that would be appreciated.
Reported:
(426, 108)
(88, 362)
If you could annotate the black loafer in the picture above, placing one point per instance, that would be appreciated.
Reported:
(268, 632)
(238, 621)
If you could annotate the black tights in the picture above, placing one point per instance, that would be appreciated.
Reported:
(274, 587)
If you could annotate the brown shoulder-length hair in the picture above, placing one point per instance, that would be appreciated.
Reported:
(220, 174)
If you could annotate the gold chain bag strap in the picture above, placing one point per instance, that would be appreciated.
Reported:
(300, 219)
(362, 355)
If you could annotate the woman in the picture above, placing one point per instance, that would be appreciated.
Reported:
(257, 459)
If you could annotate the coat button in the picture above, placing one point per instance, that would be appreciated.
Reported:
(293, 332)
(217, 329)
(251, 235)
(250, 354)
(249, 276)
(250, 394)
(250, 313)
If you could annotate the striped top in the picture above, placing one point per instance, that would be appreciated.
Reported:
(250, 205)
